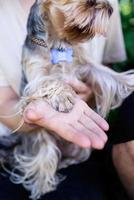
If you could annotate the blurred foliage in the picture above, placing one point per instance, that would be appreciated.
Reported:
(127, 17)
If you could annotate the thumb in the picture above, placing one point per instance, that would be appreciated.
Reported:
(30, 116)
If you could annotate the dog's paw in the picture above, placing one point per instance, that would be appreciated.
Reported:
(64, 99)
(64, 103)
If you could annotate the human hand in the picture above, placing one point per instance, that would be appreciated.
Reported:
(83, 91)
(81, 126)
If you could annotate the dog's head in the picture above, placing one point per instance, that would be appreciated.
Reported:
(77, 20)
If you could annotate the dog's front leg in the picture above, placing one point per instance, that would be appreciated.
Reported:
(45, 82)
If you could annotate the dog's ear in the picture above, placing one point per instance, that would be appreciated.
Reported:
(100, 17)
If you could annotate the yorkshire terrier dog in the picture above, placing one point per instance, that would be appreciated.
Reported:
(55, 49)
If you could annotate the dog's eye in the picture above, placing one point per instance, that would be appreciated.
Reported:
(91, 3)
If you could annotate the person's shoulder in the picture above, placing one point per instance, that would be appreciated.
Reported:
(10, 10)
(7, 5)
(12, 23)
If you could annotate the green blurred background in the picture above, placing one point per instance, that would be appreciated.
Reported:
(127, 16)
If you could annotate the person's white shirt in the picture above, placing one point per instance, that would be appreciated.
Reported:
(13, 19)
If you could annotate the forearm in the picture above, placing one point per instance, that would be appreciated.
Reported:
(123, 159)
(7, 114)
(10, 116)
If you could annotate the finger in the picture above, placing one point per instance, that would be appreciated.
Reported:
(97, 119)
(96, 141)
(80, 106)
(77, 85)
(81, 128)
(85, 96)
(36, 111)
(93, 127)
(30, 116)
(72, 135)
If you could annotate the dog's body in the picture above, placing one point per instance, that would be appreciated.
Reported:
(55, 50)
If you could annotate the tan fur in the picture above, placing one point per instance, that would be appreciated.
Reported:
(69, 23)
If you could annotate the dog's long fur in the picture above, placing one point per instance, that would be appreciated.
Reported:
(62, 24)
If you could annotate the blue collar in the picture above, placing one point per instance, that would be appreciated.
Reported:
(58, 55)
